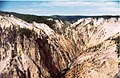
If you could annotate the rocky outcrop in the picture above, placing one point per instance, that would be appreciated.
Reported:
(31, 50)
(88, 48)
(99, 61)
(98, 41)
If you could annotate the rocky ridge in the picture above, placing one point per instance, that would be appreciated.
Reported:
(87, 48)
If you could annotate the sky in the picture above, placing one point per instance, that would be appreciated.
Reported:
(62, 7)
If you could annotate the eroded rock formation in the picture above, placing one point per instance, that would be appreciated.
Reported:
(88, 48)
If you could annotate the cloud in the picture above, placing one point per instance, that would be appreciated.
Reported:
(65, 7)
(72, 4)
(104, 11)
(90, 8)
(28, 11)
(111, 10)
(62, 3)
(65, 0)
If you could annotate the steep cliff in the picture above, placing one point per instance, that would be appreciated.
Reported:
(88, 48)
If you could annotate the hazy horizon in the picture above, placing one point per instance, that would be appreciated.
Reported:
(57, 15)
(64, 8)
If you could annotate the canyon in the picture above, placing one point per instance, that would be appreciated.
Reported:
(85, 48)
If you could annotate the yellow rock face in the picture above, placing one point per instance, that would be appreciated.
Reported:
(88, 48)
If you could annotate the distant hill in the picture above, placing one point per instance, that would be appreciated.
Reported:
(43, 19)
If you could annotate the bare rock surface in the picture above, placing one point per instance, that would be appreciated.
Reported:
(88, 48)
